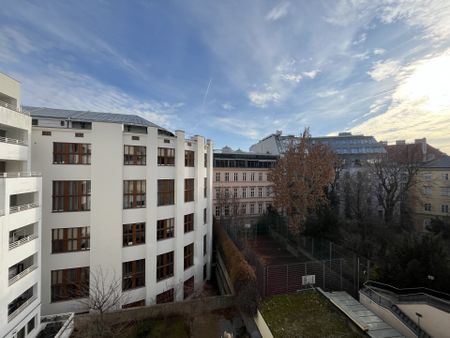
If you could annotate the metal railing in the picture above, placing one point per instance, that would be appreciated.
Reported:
(22, 241)
(13, 141)
(20, 174)
(434, 298)
(387, 303)
(22, 274)
(13, 107)
(23, 207)
(21, 308)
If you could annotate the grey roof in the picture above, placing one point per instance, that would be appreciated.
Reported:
(88, 116)
(442, 162)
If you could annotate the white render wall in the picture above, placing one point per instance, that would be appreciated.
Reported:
(17, 180)
(107, 173)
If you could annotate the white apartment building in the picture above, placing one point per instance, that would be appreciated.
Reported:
(20, 220)
(125, 196)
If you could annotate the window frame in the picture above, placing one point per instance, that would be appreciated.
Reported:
(165, 266)
(166, 156)
(133, 274)
(188, 223)
(61, 245)
(134, 198)
(71, 193)
(189, 158)
(134, 155)
(188, 251)
(133, 233)
(189, 185)
(166, 192)
(65, 153)
(165, 229)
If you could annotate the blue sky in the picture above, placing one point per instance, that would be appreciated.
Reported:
(236, 71)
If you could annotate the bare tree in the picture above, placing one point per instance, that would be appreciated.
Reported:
(301, 179)
(102, 293)
(395, 175)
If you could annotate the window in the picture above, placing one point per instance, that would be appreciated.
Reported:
(133, 234)
(31, 325)
(260, 176)
(217, 177)
(21, 333)
(227, 193)
(205, 216)
(166, 141)
(235, 177)
(134, 155)
(227, 177)
(189, 158)
(135, 138)
(235, 192)
(252, 208)
(427, 206)
(427, 176)
(133, 274)
(165, 228)
(427, 190)
(137, 303)
(260, 208)
(445, 191)
(444, 208)
(46, 133)
(188, 223)
(244, 192)
(205, 245)
(71, 153)
(205, 187)
(188, 256)
(79, 135)
(205, 160)
(252, 177)
(260, 192)
(252, 192)
(243, 209)
(70, 239)
(166, 156)
(268, 191)
(188, 287)
(217, 211)
(445, 177)
(134, 194)
(71, 196)
(226, 210)
(34, 122)
(164, 266)
(244, 176)
(205, 272)
(165, 297)
(166, 192)
(189, 190)
(217, 193)
(69, 284)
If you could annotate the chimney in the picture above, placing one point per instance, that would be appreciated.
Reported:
(400, 142)
(423, 142)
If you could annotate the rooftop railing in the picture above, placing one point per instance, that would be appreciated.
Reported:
(23, 207)
(21, 174)
(12, 107)
(22, 241)
(22, 274)
(12, 141)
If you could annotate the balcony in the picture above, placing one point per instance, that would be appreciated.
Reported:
(21, 269)
(21, 241)
(13, 141)
(21, 303)
(12, 107)
(21, 174)
(22, 207)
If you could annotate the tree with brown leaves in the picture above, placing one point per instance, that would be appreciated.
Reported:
(301, 179)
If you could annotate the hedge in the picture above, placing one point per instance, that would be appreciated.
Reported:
(241, 273)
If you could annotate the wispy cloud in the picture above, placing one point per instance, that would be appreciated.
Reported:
(384, 69)
(379, 51)
(420, 105)
(327, 93)
(278, 11)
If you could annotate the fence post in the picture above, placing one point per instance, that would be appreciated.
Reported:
(323, 276)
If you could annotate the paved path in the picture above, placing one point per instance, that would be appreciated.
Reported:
(368, 321)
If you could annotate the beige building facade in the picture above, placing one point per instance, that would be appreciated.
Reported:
(241, 185)
(431, 193)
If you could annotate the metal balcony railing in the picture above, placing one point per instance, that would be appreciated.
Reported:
(22, 274)
(12, 141)
(22, 241)
(21, 308)
(13, 107)
(17, 208)
(21, 174)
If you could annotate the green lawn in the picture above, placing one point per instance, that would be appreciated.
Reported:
(307, 314)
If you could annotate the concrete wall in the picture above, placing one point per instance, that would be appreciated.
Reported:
(434, 321)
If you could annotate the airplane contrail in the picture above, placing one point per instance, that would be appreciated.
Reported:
(206, 93)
